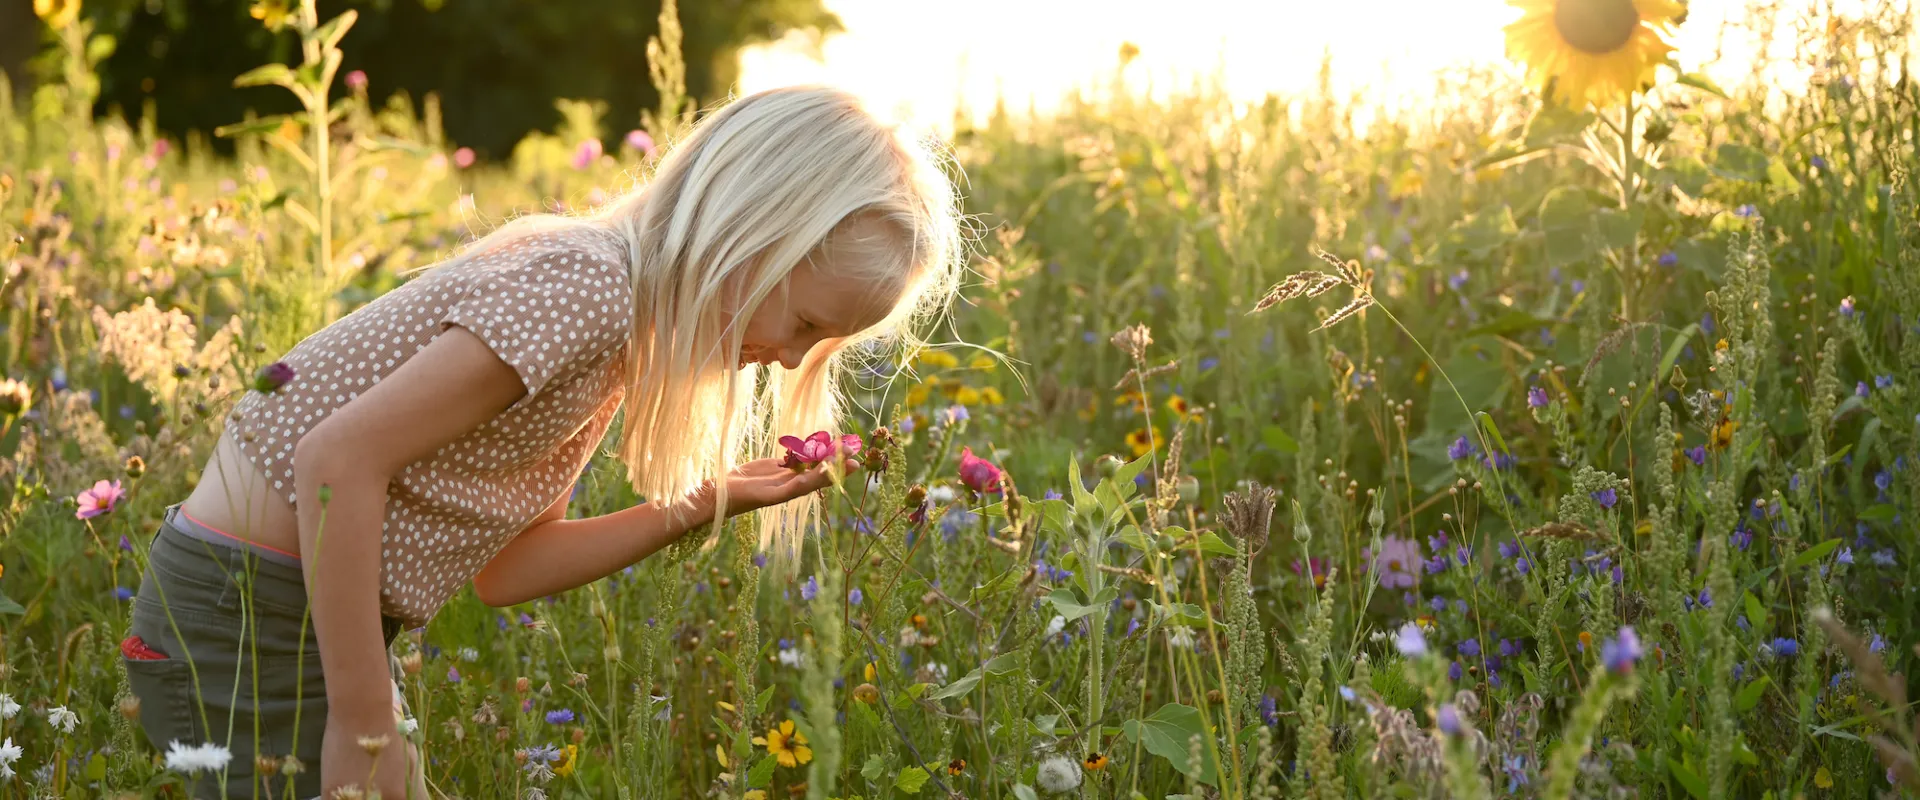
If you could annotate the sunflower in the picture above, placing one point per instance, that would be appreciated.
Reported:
(1591, 51)
(786, 745)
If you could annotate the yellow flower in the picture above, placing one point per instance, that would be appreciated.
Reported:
(1095, 761)
(938, 359)
(1408, 184)
(755, 794)
(786, 745)
(869, 671)
(1179, 406)
(1597, 52)
(967, 396)
(1723, 434)
(1138, 400)
(1586, 639)
(58, 14)
(1090, 411)
(569, 760)
(271, 13)
(1823, 778)
(917, 395)
(984, 363)
(1143, 440)
(990, 396)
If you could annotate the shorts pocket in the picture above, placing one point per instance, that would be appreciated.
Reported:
(166, 713)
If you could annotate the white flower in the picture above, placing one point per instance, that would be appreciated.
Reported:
(408, 726)
(1055, 626)
(1180, 636)
(941, 494)
(790, 657)
(1058, 775)
(9, 753)
(190, 759)
(8, 708)
(63, 719)
(469, 654)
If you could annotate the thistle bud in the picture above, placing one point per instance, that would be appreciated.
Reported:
(136, 466)
(522, 685)
(272, 376)
(916, 496)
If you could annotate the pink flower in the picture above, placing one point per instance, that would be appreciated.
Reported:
(1399, 563)
(357, 80)
(802, 454)
(978, 473)
(1315, 566)
(463, 157)
(160, 148)
(273, 376)
(588, 152)
(640, 140)
(103, 498)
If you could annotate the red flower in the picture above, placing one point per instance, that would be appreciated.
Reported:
(978, 473)
(804, 453)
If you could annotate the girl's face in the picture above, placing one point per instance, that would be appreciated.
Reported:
(817, 302)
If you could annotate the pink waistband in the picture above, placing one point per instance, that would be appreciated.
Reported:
(248, 542)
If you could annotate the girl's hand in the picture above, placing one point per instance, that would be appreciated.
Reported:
(756, 485)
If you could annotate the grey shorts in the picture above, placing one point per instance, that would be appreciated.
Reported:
(225, 660)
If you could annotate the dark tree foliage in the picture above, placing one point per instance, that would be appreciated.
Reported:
(497, 65)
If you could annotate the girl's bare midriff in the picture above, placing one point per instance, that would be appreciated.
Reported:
(234, 497)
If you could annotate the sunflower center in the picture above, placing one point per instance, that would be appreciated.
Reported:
(1595, 26)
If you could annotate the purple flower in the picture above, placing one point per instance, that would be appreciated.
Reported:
(1469, 648)
(1269, 711)
(1698, 455)
(1436, 564)
(1740, 538)
(1619, 575)
(1845, 556)
(1509, 648)
(1051, 495)
(1817, 162)
(1621, 653)
(453, 674)
(640, 140)
(1508, 549)
(1209, 363)
(1461, 448)
(809, 589)
(1860, 389)
(103, 498)
(122, 593)
(357, 80)
(1878, 644)
(1883, 558)
(1883, 381)
(1410, 641)
(1438, 604)
(1438, 542)
(1455, 672)
(1706, 323)
(1746, 210)
(1606, 498)
(560, 716)
(1669, 258)
(1448, 719)
(1537, 397)
(1395, 563)
(854, 596)
(275, 375)
(1785, 648)
(1457, 280)
(1706, 597)
(1846, 307)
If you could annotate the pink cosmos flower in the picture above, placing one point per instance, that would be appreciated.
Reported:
(1399, 563)
(802, 454)
(103, 498)
(978, 473)
(1315, 566)
(588, 152)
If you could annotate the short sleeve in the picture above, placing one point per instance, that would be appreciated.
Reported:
(548, 311)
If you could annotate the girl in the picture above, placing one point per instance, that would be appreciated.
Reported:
(432, 438)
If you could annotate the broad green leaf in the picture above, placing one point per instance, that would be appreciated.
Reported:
(330, 32)
(96, 768)
(1476, 368)
(1003, 663)
(1211, 544)
(874, 768)
(8, 606)
(1701, 82)
(1478, 236)
(1688, 779)
(1024, 792)
(1167, 733)
(1567, 219)
(1127, 472)
(1132, 537)
(1178, 613)
(1555, 123)
(998, 584)
(1740, 162)
(1814, 553)
(1493, 432)
(1067, 602)
(1756, 613)
(910, 780)
(269, 74)
(1276, 437)
(998, 665)
(1749, 695)
(760, 703)
(1880, 512)
(762, 772)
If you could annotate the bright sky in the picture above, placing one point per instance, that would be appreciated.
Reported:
(916, 57)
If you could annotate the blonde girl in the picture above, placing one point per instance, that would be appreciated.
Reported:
(431, 439)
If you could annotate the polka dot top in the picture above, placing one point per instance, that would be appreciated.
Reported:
(558, 308)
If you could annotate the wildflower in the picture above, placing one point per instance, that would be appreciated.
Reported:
(802, 454)
(1723, 434)
(1209, 363)
(1096, 761)
(1316, 567)
(63, 719)
(1785, 648)
(1054, 626)
(567, 761)
(1537, 397)
(1668, 259)
(588, 152)
(15, 397)
(790, 656)
(978, 473)
(1740, 538)
(1845, 556)
(1878, 644)
(854, 596)
(1455, 672)
(103, 498)
(1144, 440)
(357, 80)
(1395, 563)
(1461, 448)
(1860, 389)
(1698, 455)
(1746, 210)
(8, 708)
(640, 140)
(1516, 769)
(1883, 558)
(809, 589)
(956, 766)
(786, 745)
(1270, 711)
(1058, 775)
(560, 716)
(1883, 381)
(1846, 307)
(1180, 636)
(1599, 53)
(464, 157)
(1448, 719)
(1410, 641)
(191, 759)
(1606, 498)
(1469, 648)
(1622, 652)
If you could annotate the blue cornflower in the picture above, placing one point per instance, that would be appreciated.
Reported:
(1606, 498)
(560, 716)
(1537, 397)
(1461, 448)
(122, 593)
(1669, 258)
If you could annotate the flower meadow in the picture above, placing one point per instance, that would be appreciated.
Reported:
(1557, 440)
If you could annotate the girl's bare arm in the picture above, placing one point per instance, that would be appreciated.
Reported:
(452, 386)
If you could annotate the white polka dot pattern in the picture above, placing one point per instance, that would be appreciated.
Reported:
(556, 307)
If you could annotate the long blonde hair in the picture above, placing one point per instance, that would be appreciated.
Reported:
(754, 189)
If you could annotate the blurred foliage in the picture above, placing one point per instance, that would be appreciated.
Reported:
(497, 65)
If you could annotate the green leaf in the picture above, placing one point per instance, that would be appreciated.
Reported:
(1166, 734)
(1127, 472)
(1740, 162)
(1749, 695)
(330, 32)
(1132, 537)
(1024, 792)
(1756, 613)
(270, 74)
(1881, 512)
(8, 606)
(1702, 83)
(910, 780)
(264, 125)
(1067, 602)
(1566, 217)
(98, 48)
(1210, 543)
(998, 665)
(1493, 432)
(760, 703)
(762, 773)
(998, 584)
(1688, 779)
(1476, 368)
(874, 768)
(1674, 350)
(1178, 613)
(1814, 553)
(1083, 502)
(1554, 123)
(1478, 236)
(1276, 437)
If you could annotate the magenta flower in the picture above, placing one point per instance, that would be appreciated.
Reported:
(640, 140)
(103, 498)
(463, 157)
(273, 376)
(357, 80)
(978, 473)
(802, 454)
(588, 152)
(1398, 565)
